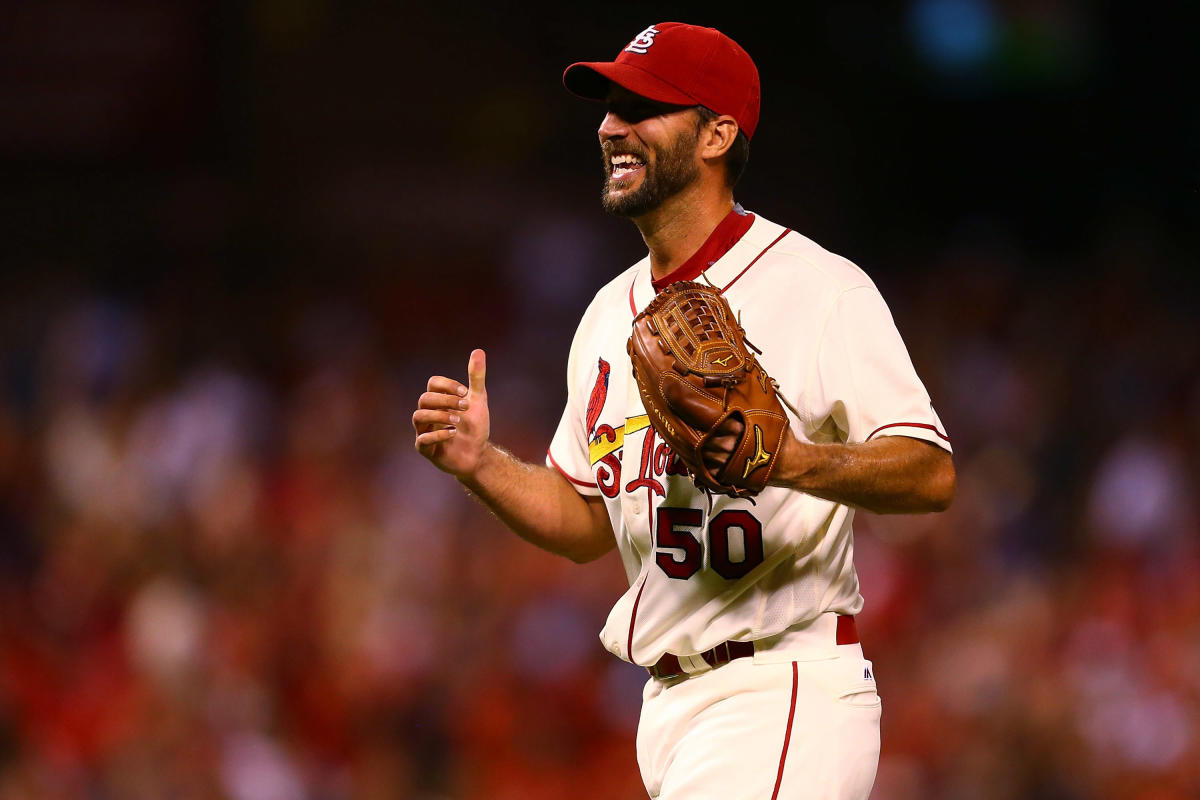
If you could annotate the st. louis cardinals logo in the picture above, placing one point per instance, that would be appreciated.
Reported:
(642, 41)
(599, 395)
(606, 443)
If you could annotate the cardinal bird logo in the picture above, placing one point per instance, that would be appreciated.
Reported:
(599, 394)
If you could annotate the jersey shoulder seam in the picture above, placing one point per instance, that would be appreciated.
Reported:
(841, 272)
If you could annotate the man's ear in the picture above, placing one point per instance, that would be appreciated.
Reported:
(718, 136)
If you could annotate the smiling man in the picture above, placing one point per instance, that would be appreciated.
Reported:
(740, 609)
(642, 175)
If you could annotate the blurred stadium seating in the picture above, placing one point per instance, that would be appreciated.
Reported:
(238, 239)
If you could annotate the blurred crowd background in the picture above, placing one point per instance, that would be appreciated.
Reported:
(237, 238)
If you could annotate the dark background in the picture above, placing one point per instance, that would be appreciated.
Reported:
(237, 239)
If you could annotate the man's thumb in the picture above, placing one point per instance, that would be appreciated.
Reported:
(476, 370)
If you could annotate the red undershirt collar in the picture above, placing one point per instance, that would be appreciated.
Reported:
(719, 242)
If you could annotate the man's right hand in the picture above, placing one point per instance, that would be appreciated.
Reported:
(452, 420)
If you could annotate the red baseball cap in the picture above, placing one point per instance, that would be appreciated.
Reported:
(681, 64)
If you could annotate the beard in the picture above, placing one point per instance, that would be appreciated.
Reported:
(673, 170)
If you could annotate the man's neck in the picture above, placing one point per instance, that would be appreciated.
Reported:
(677, 229)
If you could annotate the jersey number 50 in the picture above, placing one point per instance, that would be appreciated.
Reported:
(683, 558)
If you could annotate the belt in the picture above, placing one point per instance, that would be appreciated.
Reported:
(668, 667)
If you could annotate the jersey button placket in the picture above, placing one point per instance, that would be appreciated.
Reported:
(633, 506)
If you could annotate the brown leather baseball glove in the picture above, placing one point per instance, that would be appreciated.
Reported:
(695, 371)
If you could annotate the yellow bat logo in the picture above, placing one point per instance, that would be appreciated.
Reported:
(760, 457)
(723, 361)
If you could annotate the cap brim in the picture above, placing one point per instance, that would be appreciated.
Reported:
(591, 79)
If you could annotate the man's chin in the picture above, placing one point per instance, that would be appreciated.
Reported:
(627, 204)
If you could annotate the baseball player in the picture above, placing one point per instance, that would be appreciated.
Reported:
(741, 609)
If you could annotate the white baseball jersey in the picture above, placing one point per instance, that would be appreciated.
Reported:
(701, 575)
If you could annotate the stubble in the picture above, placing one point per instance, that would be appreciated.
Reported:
(673, 170)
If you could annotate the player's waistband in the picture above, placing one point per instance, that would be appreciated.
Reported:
(814, 639)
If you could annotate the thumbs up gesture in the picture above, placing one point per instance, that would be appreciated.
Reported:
(452, 421)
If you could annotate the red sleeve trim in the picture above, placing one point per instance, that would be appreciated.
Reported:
(632, 307)
(755, 261)
(909, 425)
(566, 475)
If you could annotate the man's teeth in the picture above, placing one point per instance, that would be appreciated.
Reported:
(624, 164)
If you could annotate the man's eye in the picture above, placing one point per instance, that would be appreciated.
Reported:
(637, 113)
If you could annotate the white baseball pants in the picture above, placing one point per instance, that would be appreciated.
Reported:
(764, 728)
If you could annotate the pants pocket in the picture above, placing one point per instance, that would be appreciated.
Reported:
(856, 685)
(863, 695)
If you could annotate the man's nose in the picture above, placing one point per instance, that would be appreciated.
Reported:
(612, 127)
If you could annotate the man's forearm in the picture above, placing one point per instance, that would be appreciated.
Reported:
(540, 506)
(889, 475)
